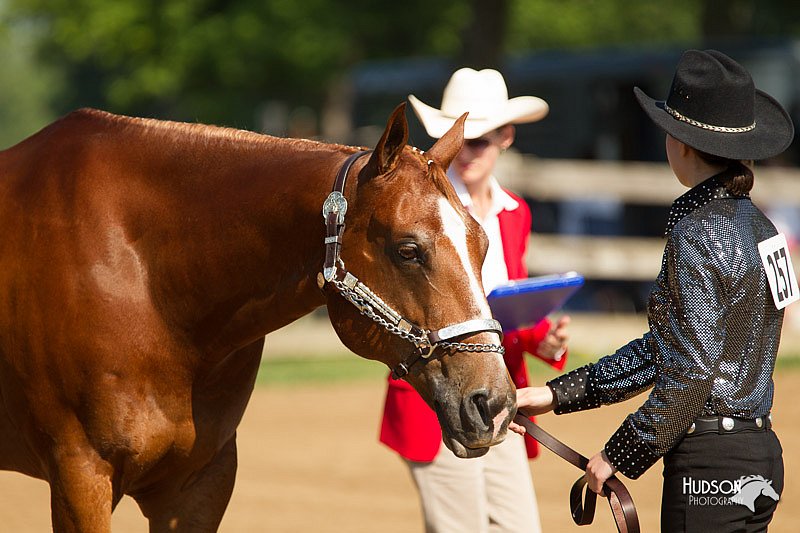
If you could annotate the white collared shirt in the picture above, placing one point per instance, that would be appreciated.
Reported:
(494, 271)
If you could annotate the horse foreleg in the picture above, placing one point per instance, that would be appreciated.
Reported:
(198, 502)
(81, 494)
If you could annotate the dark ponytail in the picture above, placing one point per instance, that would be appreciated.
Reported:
(738, 179)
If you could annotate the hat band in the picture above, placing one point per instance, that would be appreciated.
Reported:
(705, 126)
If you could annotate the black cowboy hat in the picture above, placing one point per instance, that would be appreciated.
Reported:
(713, 106)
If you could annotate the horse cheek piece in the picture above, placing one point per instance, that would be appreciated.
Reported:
(474, 419)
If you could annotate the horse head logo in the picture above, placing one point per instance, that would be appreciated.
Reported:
(750, 488)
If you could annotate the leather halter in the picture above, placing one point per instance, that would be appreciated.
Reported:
(335, 275)
(619, 499)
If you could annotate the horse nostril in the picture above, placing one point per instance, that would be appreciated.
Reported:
(479, 405)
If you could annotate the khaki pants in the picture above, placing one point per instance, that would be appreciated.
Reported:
(493, 493)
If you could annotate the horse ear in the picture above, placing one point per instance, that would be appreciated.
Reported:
(448, 146)
(392, 143)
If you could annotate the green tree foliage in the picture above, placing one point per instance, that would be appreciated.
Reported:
(216, 60)
(25, 90)
(537, 24)
(750, 19)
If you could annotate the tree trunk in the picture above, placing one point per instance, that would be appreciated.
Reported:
(484, 36)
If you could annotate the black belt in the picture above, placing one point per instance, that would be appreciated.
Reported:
(728, 424)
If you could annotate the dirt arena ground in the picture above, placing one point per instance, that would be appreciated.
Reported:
(309, 461)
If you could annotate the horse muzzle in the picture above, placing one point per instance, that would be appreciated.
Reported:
(476, 421)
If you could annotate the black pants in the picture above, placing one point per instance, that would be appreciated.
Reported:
(703, 472)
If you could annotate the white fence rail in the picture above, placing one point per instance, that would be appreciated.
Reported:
(619, 258)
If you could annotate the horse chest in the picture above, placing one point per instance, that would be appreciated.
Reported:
(154, 430)
(143, 429)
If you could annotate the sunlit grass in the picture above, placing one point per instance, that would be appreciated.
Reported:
(290, 370)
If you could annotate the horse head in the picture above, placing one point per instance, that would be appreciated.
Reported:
(418, 252)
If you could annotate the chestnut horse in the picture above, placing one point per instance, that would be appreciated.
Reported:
(142, 262)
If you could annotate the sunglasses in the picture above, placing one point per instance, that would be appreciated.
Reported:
(480, 143)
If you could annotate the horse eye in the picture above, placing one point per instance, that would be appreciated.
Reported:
(408, 251)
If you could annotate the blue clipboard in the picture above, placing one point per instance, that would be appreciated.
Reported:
(525, 302)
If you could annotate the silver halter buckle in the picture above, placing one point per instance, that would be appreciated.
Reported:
(335, 203)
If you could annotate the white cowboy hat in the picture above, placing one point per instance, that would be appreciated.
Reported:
(484, 94)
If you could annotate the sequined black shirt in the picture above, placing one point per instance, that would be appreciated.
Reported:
(713, 338)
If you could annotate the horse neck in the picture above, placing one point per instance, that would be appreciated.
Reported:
(251, 234)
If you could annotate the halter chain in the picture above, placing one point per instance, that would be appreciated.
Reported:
(369, 304)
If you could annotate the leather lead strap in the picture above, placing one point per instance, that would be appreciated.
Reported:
(619, 499)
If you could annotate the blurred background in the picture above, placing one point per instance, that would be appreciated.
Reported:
(592, 171)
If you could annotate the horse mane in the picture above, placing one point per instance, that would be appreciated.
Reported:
(197, 132)
(203, 136)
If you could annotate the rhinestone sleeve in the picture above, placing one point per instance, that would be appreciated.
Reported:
(713, 339)
(713, 331)
(570, 391)
(614, 378)
(628, 452)
(687, 322)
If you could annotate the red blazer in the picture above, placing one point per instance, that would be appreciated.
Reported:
(409, 425)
